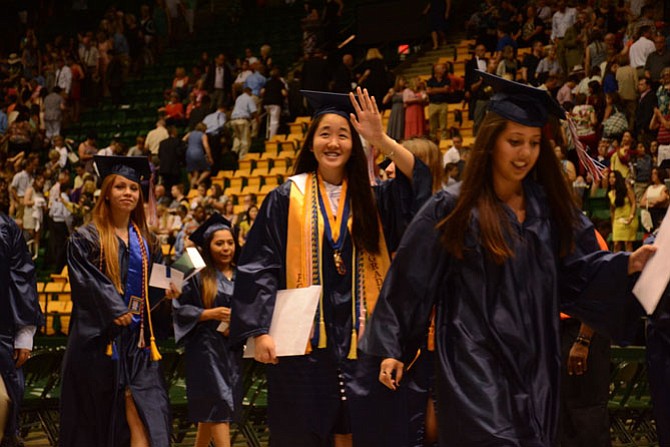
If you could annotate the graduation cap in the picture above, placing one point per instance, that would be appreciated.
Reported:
(135, 169)
(531, 106)
(523, 104)
(327, 102)
(215, 222)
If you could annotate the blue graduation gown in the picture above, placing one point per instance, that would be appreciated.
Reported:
(19, 307)
(93, 388)
(497, 326)
(213, 383)
(306, 393)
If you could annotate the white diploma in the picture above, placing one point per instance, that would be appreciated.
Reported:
(292, 321)
(179, 272)
(656, 274)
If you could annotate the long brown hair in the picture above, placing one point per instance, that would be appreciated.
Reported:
(365, 228)
(208, 274)
(477, 192)
(102, 219)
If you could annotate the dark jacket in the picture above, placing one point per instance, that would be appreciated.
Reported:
(644, 113)
(211, 76)
(171, 154)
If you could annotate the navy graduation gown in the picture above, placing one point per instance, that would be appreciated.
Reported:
(93, 389)
(19, 307)
(213, 384)
(497, 326)
(306, 392)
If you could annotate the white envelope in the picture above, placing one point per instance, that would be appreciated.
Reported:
(656, 274)
(292, 321)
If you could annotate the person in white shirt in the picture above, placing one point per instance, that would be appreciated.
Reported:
(244, 73)
(453, 154)
(562, 19)
(642, 48)
(59, 145)
(64, 76)
(244, 111)
(154, 138)
(60, 217)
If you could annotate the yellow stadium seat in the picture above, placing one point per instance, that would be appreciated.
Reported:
(282, 171)
(249, 190)
(246, 165)
(60, 277)
(265, 189)
(237, 182)
(53, 287)
(271, 180)
(288, 146)
(284, 163)
(225, 174)
(254, 181)
(262, 166)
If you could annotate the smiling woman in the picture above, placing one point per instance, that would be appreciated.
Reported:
(496, 257)
(212, 369)
(328, 226)
(113, 392)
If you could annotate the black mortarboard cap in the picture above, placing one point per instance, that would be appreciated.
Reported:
(521, 103)
(327, 102)
(215, 222)
(135, 169)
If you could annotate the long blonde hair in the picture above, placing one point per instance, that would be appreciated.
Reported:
(428, 152)
(109, 247)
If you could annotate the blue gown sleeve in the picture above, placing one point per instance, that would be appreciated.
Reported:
(400, 321)
(24, 303)
(399, 199)
(594, 286)
(93, 290)
(187, 309)
(261, 270)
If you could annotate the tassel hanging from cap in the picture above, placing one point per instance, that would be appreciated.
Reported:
(110, 349)
(353, 346)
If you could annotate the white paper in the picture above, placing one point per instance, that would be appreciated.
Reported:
(191, 263)
(292, 321)
(223, 327)
(160, 280)
(655, 276)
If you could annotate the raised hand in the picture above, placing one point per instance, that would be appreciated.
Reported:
(367, 121)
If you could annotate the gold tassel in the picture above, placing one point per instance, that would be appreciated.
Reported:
(155, 355)
(431, 337)
(353, 347)
(110, 350)
(322, 333)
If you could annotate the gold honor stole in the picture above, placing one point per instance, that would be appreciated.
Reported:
(304, 266)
